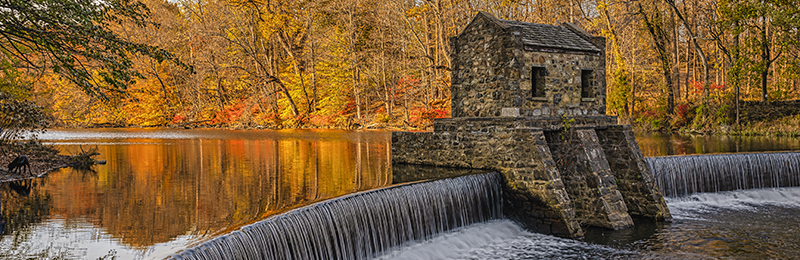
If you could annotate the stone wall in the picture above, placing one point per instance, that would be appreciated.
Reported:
(563, 87)
(405, 173)
(594, 175)
(533, 193)
(634, 179)
(757, 110)
(491, 70)
(588, 178)
(483, 63)
(485, 124)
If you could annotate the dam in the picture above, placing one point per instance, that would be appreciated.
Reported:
(530, 142)
(528, 101)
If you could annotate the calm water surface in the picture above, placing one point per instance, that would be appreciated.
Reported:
(654, 144)
(163, 190)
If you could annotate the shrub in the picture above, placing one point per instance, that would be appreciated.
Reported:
(18, 116)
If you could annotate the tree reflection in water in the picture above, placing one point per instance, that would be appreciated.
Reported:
(662, 144)
(159, 192)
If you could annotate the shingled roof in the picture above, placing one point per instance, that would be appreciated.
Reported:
(545, 35)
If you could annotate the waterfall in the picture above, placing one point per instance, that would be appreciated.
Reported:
(678, 176)
(361, 225)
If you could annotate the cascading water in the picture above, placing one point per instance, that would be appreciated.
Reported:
(362, 225)
(678, 176)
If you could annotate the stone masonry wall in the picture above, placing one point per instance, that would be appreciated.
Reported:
(475, 124)
(482, 64)
(588, 178)
(491, 70)
(563, 87)
(634, 179)
(533, 189)
(543, 190)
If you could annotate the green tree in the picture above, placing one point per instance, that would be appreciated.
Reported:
(73, 39)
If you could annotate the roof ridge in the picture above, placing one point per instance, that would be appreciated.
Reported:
(546, 35)
(494, 19)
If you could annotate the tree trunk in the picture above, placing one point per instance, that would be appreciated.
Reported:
(354, 61)
(735, 73)
(700, 52)
(765, 59)
(312, 106)
(285, 91)
(284, 40)
(688, 69)
(389, 96)
(660, 39)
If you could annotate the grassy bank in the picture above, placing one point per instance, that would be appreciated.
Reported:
(756, 118)
(782, 126)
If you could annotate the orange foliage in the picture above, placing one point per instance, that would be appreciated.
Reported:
(178, 119)
(422, 116)
(230, 114)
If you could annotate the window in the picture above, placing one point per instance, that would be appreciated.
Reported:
(586, 84)
(537, 81)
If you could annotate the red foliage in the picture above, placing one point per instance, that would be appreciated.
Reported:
(682, 110)
(351, 106)
(408, 81)
(407, 84)
(178, 118)
(682, 113)
(422, 116)
(229, 115)
(650, 113)
(319, 120)
(698, 87)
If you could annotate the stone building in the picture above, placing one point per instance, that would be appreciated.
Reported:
(509, 68)
(529, 102)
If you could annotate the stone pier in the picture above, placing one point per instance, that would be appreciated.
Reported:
(557, 178)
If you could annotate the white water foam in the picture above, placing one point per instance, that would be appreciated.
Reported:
(501, 239)
(693, 206)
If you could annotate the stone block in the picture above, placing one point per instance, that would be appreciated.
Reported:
(509, 112)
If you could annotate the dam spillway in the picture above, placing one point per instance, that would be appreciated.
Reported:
(361, 225)
(678, 176)
(369, 224)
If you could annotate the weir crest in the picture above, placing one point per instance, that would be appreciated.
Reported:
(362, 225)
(679, 176)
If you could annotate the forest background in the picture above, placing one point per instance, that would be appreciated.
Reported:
(690, 64)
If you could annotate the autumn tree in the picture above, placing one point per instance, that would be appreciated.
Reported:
(657, 24)
(72, 38)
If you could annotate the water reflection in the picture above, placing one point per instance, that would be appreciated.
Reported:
(157, 195)
(658, 144)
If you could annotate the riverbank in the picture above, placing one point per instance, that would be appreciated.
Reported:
(785, 126)
(788, 126)
(43, 160)
(782, 126)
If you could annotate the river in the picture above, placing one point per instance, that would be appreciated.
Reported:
(163, 190)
